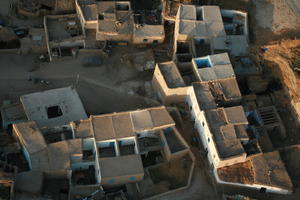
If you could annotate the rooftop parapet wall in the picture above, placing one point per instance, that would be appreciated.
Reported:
(116, 21)
(63, 31)
(53, 107)
(214, 72)
(259, 171)
(169, 84)
(223, 30)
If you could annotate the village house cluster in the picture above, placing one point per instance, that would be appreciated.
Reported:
(206, 39)
(58, 139)
(72, 155)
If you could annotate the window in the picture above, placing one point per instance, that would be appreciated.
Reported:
(208, 139)
(101, 17)
(54, 111)
(155, 41)
(145, 40)
(262, 190)
(122, 6)
(203, 124)
(205, 152)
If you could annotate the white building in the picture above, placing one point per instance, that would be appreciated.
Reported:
(206, 30)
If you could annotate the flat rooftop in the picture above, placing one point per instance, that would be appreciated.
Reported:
(121, 166)
(204, 21)
(171, 74)
(222, 122)
(213, 94)
(213, 67)
(53, 107)
(56, 156)
(126, 124)
(61, 27)
(261, 169)
(13, 113)
(226, 30)
(30, 136)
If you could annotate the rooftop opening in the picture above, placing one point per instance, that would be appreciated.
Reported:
(88, 151)
(227, 19)
(84, 175)
(151, 158)
(173, 141)
(57, 188)
(106, 149)
(101, 17)
(148, 144)
(202, 47)
(137, 18)
(54, 111)
(127, 147)
(203, 62)
(184, 58)
(122, 6)
(199, 14)
(187, 74)
(183, 47)
(145, 4)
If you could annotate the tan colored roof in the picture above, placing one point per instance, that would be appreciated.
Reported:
(103, 127)
(171, 74)
(121, 166)
(263, 169)
(235, 115)
(126, 124)
(161, 117)
(83, 128)
(141, 120)
(154, 31)
(216, 72)
(187, 12)
(222, 123)
(212, 14)
(123, 125)
(204, 96)
(30, 136)
(57, 156)
(40, 161)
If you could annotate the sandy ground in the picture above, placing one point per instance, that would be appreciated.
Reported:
(200, 189)
(102, 89)
(275, 19)
(278, 15)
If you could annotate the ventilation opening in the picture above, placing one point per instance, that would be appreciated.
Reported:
(54, 111)
(101, 17)
(123, 7)
(199, 14)
(263, 190)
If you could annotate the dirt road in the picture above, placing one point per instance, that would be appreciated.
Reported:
(98, 87)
